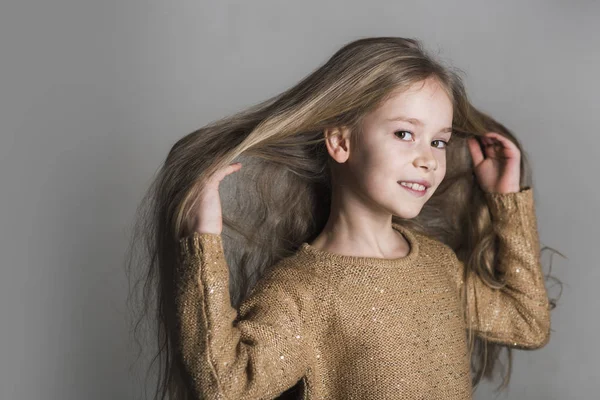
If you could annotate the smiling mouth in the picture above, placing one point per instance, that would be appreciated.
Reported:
(414, 186)
(415, 189)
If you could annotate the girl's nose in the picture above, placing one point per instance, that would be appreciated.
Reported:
(426, 160)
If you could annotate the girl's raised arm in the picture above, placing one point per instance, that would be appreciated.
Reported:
(257, 355)
(518, 314)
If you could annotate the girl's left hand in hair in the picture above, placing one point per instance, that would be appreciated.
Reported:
(498, 167)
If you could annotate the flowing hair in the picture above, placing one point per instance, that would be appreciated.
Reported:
(282, 195)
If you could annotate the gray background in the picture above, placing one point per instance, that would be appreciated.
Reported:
(94, 93)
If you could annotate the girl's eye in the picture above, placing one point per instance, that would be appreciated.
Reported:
(397, 133)
(402, 135)
(441, 141)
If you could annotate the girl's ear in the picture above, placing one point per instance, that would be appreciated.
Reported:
(337, 140)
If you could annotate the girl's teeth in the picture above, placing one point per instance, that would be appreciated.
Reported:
(414, 186)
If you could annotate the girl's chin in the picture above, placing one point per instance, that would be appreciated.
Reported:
(407, 213)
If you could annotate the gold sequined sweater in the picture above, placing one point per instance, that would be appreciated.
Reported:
(358, 327)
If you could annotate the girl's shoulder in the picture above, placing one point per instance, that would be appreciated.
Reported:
(295, 270)
(430, 245)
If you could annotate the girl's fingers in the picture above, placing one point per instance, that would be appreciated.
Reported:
(496, 139)
(229, 169)
(490, 142)
(491, 148)
(508, 147)
(475, 149)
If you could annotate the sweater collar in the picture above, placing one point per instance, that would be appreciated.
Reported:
(375, 262)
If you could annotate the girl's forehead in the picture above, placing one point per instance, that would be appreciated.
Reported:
(415, 104)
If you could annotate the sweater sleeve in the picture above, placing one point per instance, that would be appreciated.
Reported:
(256, 355)
(518, 314)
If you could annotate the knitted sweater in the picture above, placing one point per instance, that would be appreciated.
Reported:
(358, 327)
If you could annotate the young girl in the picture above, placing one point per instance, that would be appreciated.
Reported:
(380, 228)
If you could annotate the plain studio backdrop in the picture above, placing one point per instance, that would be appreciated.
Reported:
(95, 93)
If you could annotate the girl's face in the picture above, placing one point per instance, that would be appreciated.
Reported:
(403, 140)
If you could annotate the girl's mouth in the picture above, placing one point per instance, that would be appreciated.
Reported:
(414, 190)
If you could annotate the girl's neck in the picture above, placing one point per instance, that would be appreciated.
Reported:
(357, 261)
(388, 243)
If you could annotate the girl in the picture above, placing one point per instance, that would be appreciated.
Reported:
(381, 235)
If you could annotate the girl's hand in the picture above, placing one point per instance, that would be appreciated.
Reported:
(209, 217)
(500, 170)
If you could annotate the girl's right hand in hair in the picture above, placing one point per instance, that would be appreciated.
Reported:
(209, 217)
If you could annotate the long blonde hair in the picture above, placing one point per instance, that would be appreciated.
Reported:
(282, 195)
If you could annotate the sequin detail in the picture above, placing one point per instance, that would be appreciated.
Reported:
(355, 327)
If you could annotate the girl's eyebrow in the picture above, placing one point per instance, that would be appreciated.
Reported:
(417, 122)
